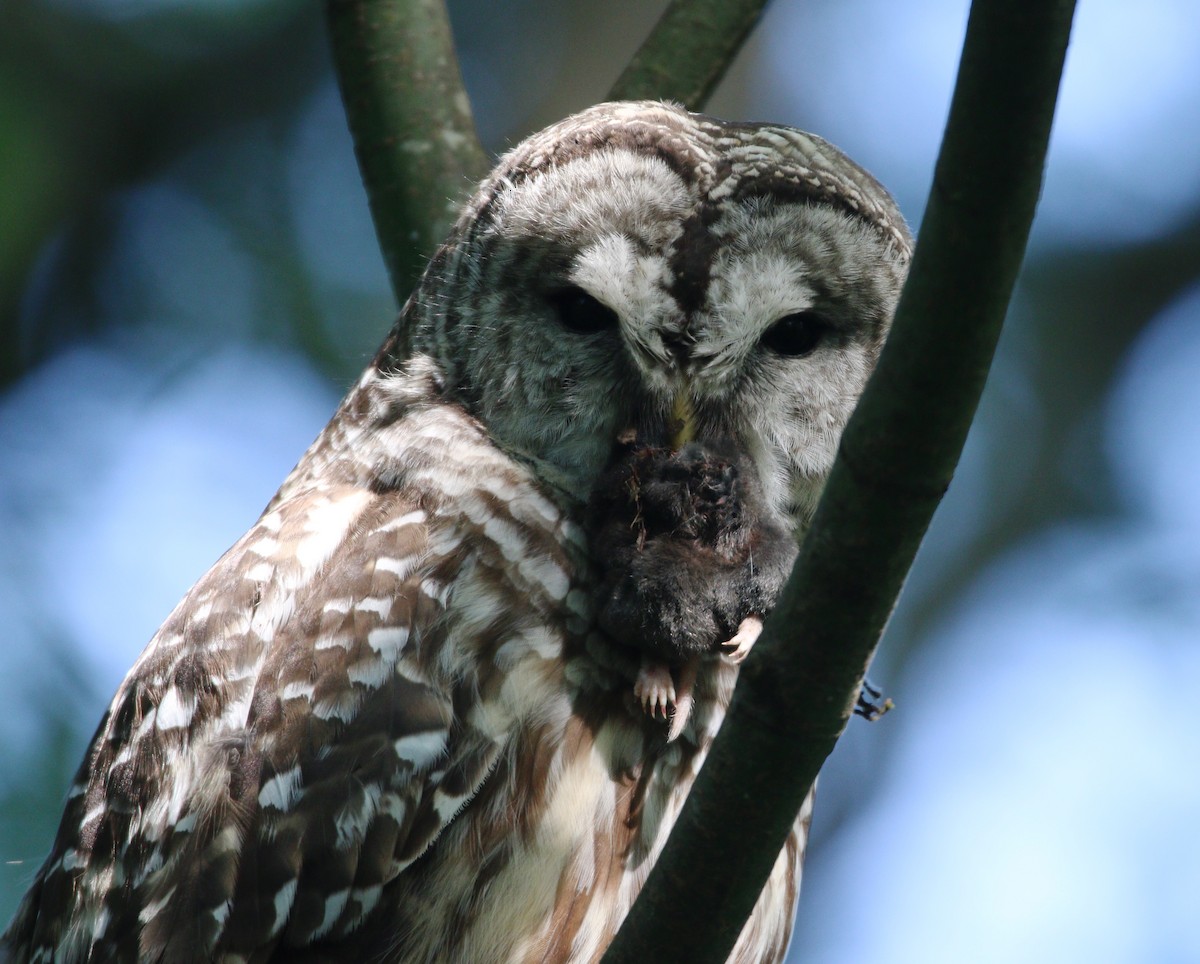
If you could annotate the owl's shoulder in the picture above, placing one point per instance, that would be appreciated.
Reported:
(322, 702)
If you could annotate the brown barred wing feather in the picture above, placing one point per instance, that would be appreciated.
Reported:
(275, 756)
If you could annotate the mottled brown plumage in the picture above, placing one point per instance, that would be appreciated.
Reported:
(388, 724)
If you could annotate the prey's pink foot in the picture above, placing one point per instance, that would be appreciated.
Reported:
(662, 698)
(654, 688)
(748, 631)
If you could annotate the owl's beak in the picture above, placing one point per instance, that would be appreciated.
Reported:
(684, 428)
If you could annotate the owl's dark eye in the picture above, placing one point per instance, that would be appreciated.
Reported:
(796, 335)
(581, 313)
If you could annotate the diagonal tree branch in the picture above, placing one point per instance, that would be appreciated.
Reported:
(688, 51)
(411, 121)
(798, 689)
(410, 117)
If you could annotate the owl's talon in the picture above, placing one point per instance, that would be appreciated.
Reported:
(871, 703)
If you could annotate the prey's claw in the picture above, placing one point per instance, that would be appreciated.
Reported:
(655, 689)
(738, 647)
(683, 706)
(661, 698)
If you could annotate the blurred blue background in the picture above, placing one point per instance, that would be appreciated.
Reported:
(189, 280)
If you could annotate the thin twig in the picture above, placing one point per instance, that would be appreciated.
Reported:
(688, 51)
(798, 687)
(410, 117)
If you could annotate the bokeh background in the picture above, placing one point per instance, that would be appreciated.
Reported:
(189, 280)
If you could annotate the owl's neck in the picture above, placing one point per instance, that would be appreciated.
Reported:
(396, 422)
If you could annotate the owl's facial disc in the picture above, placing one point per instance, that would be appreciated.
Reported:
(673, 276)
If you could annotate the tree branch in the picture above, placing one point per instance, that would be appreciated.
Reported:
(798, 687)
(411, 121)
(688, 51)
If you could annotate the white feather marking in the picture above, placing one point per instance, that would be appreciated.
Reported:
(447, 805)
(400, 568)
(380, 605)
(493, 718)
(283, 905)
(148, 866)
(183, 786)
(411, 671)
(236, 711)
(175, 711)
(148, 723)
(451, 485)
(94, 814)
(504, 491)
(152, 909)
(100, 881)
(340, 706)
(228, 840)
(529, 692)
(187, 824)
(281, 790)
(340, 641)
(542, 506)
(421, 749)
(265, 547)
(259, 572)
(408, 519)
(546, 573)
(388, 641)
(341, 605)
(99, 924)
(220, 914)
(326, 524)
(478, 607)
(509, 539)
(435, 590)
(351, 821)
(272, 521)
(393, 805)
(335, 903)
(270, 616)
(371, 673)
(201, 612)
(302, 689)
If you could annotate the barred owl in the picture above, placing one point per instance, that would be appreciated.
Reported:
(445, 699)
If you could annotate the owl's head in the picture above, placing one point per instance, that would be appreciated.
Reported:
(640, 268)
